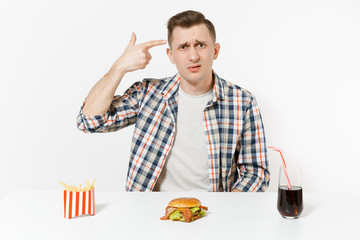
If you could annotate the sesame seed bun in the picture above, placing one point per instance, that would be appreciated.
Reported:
(184, 202)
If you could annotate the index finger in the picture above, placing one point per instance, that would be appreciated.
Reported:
(153, 43)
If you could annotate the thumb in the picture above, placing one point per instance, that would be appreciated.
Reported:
(132, 40)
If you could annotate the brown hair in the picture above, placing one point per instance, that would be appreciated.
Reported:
(188, 19)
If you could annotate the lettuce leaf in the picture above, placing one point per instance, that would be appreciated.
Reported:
(176, 216)
(194, 209)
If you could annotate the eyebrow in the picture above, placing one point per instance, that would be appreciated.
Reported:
(198, 41)
(186, 43)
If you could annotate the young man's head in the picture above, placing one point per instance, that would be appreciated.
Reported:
(188, 19)
(191, 38)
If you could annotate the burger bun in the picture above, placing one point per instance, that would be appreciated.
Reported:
(185, 202)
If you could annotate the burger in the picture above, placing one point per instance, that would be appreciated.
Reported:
(184, 209)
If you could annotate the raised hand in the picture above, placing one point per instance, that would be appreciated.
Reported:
(133, 58)
(137, 56)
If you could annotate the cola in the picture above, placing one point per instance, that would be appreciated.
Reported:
(290, 202)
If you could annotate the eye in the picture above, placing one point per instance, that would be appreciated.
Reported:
(201, 45)
(183, 47)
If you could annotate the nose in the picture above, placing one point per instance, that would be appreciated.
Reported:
(193, 54)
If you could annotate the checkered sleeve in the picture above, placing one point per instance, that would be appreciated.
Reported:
(122, 113)
(252, 161)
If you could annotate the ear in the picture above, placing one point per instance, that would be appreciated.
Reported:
(216, 50)
(170, 55)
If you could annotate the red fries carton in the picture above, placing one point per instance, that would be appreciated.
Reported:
(79, 200)
(79, 203)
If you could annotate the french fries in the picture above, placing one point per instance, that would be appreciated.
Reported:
(73, 188)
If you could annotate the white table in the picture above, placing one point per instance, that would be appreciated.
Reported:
(39, 215)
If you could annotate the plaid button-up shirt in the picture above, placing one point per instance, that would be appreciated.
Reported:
(237, 153)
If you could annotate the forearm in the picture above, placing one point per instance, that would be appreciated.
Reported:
(252, 179)
(101, 95)
(134, 57)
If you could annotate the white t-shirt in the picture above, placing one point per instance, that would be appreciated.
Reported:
(186, 168)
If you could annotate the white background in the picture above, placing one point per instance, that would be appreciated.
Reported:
(300, 58)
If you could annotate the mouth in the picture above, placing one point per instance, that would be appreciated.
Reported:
(194, 68)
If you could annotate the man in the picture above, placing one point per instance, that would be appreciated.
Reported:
(193, 131)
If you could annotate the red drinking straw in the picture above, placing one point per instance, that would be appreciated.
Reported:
(283, 164)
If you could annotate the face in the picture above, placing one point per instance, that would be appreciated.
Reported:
(193, 51)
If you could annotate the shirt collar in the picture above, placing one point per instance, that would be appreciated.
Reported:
(218, 90)
(171, 87)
